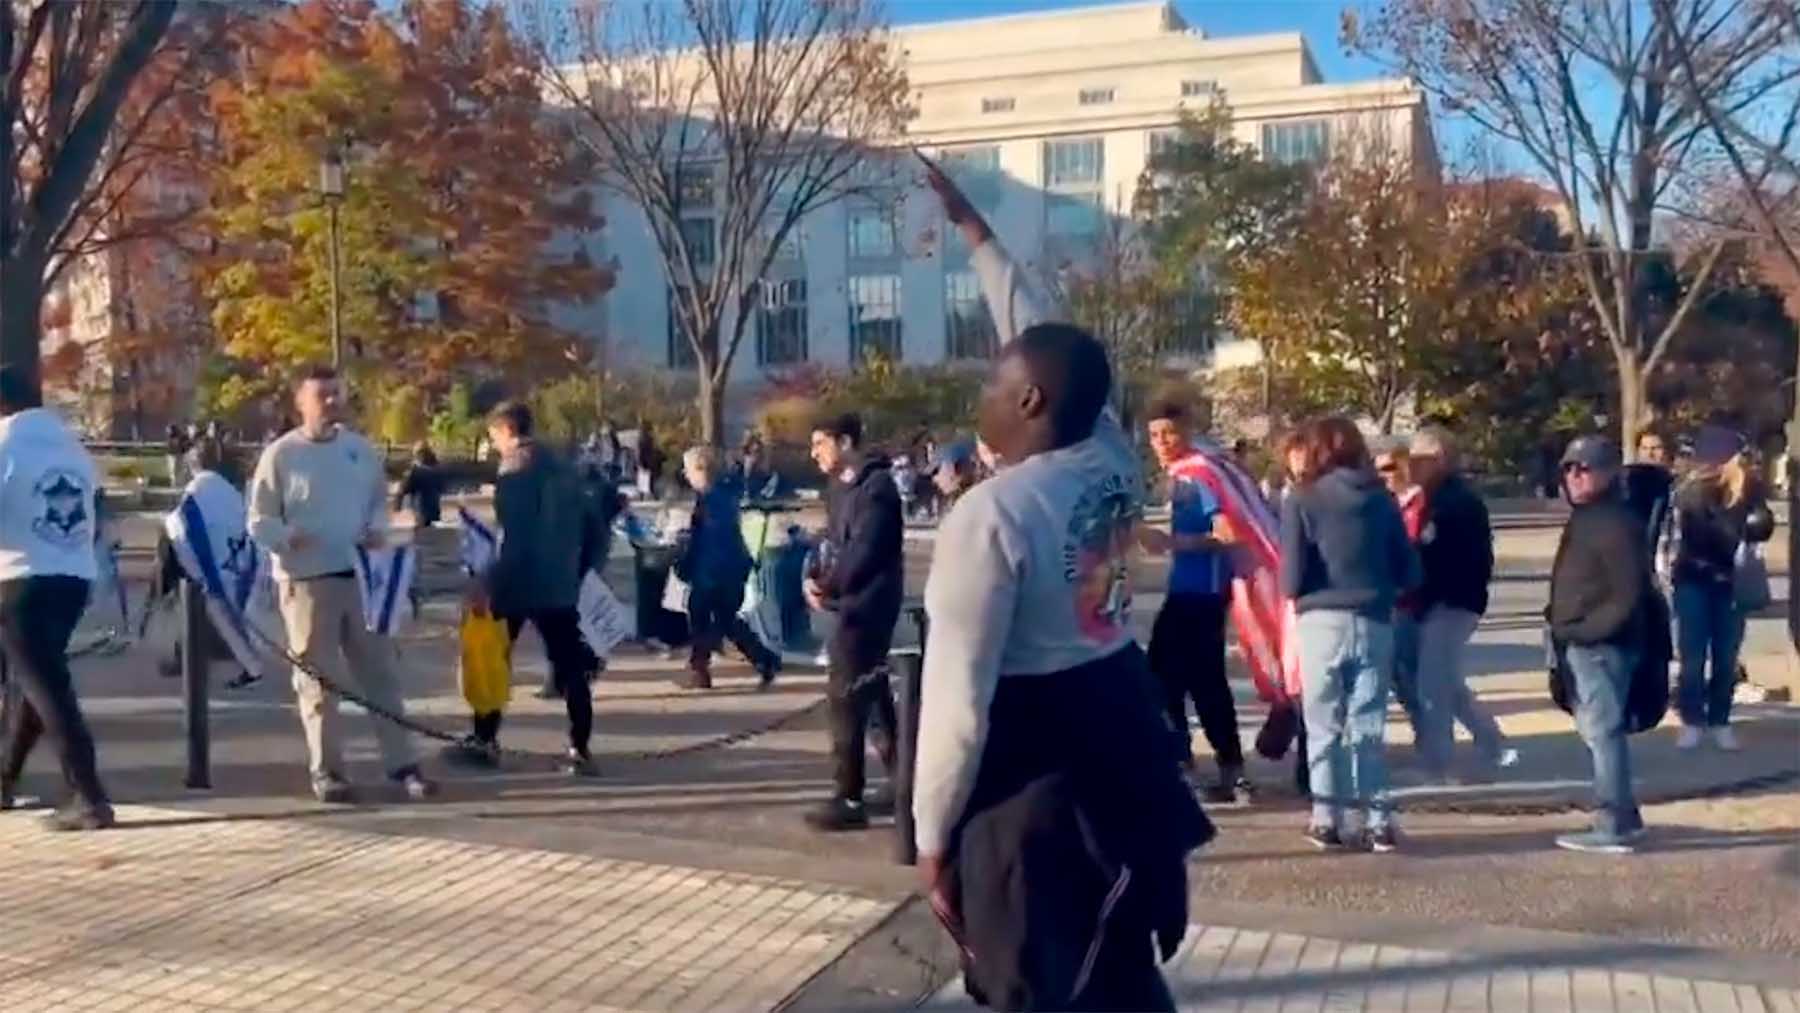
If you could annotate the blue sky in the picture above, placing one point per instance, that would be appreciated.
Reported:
(1317, 19)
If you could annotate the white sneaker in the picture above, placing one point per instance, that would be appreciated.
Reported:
(1725, 739)
(1688, 739)
(1509, 757)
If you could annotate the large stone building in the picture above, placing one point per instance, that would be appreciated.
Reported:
(1055, 114)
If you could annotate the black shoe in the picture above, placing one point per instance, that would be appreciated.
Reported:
(483, 756)
(242, 680)
(77, 817)
(9, 798)
(1382, 840)
(1324, 838)
(1223, 793)
(837, 815)
(333, 790)
(579, 764)
(417, 786)
(880, 802)
(766, 672)
(695, 680)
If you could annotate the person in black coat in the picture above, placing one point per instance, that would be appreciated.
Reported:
(863, 585)
(423, 486)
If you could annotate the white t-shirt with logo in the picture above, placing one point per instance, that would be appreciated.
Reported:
(47, 482)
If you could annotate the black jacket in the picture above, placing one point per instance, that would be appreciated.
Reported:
(545, 524)
(425, 484)
(1456, 547)
(1648, 489)
(1598, 579)
(867, 576)
(1078, 830)
(1344, 546)
(1711, 532)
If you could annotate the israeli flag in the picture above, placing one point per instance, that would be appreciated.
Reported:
(480, 545)
(207, 531)
(386, 578)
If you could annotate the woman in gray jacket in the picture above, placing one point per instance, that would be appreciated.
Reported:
(1345, 557)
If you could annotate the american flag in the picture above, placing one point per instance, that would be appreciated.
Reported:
(1263, 618)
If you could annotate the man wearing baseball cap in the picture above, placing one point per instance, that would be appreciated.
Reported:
(1596, 584)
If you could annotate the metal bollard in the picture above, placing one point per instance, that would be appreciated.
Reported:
(909, 671)
(194, 686)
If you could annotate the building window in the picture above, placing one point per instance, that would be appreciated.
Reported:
(781, 323)
(1296, 140)
(1161, 141)
(1194, 89)
(997, 105)
(1072, 214)
(968, 326)
(1096, 96)
(872, 232)
(695, 186)
(681, 350)
(1074, 173)
(697, 234)
(874, 317)
(1079, 162)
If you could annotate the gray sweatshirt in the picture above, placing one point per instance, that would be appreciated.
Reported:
(332, 490)
(1027, 578)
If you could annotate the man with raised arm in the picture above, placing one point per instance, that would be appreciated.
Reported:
(1052, 818)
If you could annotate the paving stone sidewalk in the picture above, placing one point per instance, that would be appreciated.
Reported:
(1227, 969)
(170, 912)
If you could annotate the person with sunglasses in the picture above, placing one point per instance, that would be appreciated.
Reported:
(1597, 581)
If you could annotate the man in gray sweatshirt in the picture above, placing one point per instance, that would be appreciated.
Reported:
(1036, 702)
(318, 495)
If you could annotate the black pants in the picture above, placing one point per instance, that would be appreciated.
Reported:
(713, 616)
(570, 661)
(37, 618)
(1187, 653)
(1126, 976)
(857, 697)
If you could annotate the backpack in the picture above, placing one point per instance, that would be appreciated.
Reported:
(1647, 699)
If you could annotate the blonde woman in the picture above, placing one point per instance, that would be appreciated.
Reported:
(1719, 511)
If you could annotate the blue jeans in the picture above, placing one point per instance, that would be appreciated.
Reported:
(1443, 691)
(1707, 621)
(1406, 667)
(1346, 662)
(1602, 681)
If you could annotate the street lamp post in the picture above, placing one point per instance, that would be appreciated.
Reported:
(331, 188)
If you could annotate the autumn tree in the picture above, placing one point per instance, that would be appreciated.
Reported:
(1351, 304)
(458, 210)
(79, 117)
(725, 122)
(1589, 91)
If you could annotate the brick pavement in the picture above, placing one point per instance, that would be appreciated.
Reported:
(1247, 971)
(175, 913)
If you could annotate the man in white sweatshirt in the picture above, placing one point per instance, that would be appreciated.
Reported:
(1038, 710)
(47, 483)
(319, 494)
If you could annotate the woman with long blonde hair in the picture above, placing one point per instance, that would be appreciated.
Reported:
(1720, 512)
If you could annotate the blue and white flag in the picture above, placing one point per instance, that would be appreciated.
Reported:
(386, 579)
(480, 545)
(207, 531)
(604, 619)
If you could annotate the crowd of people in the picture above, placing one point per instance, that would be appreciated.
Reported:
(1054, 799)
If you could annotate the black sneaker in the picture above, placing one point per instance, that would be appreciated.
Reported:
(333, 790)
(242, 680)
(1324, 838)
(472, 754)
(1382, 840)
(417, 786)
(77, 817)
(579, 764)
(9, 798)
(838, 815)
(1222, 793)
(880, 802)
(767, 671)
